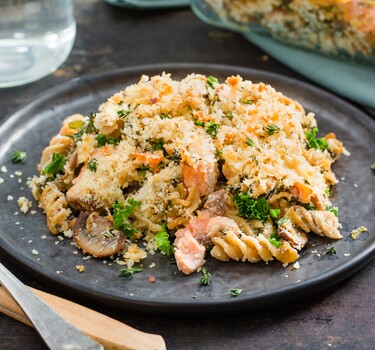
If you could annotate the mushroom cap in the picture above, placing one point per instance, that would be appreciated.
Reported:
(95, 235)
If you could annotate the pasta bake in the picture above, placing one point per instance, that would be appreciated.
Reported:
(191, 168)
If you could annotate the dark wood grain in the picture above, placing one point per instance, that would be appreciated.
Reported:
(108, 38)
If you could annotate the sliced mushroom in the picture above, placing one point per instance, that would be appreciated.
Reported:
(216, 204)
(95, 235)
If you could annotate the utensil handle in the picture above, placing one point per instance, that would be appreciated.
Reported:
(55, 331)
(111, 333)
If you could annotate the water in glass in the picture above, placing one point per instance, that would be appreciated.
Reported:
(36, 37)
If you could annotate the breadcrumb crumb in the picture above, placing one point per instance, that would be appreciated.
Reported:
(296, 266)
(24, 204)
(80, 268)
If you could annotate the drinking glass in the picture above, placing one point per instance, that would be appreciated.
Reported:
(36, 37)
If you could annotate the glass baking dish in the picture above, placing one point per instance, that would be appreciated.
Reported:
(340, 28)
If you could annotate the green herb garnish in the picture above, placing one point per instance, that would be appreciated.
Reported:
(92, 165)
(272, 129)
(213, 129)
(113, 141)
(275, 240)
(251, 208)
(56, 165)
(218, 153)
(333, 210)
(143, 169)
(211, 80)
(157, 145)
(309, 206)
(206, 279)
(249, 142)
(129, 272)
(122, 113)
(331, 251)
(372, 166)
(229, 115)
(102, 140)
(121, 214)
(246, 102)
(315, 142)
(274, 213)
(198, 122)
(18, 156)
(165, 116)
(235, 292)
(162, 241)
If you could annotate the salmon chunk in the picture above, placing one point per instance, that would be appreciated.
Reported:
(189, 253)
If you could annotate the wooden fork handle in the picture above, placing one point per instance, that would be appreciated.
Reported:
(111, 333)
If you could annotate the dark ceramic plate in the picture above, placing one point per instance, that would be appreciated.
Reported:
(31, 127)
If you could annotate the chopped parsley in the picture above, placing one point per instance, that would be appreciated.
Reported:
(198, 122)
(327, 191)
(129, 271)
(249, 142)
(331, 250)
(218, 153)
(113, 141)
(333, 210)
(251, 208)
(206, 279)
(122, 113)
(102, 140)
(274, 213)
(162, 241)
(157, 145)
(213, 129)
(272, 129)
(165, 116)
(121, 214)
(56, 165)
(315, 142)
(18, 156)
(92, 165)
(228, 115)
(246, 102)
(235, 292)
(210, 82)
(275, 240)
(143, 169)
(309, 206)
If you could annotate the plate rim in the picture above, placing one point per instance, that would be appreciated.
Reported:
(256, 300)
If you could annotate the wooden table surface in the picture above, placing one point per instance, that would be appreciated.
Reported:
(107, 38)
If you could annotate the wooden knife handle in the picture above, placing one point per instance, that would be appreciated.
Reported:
(111, 333)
